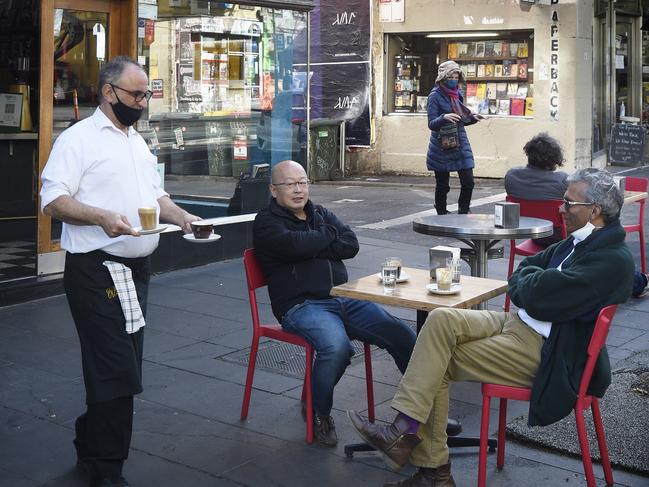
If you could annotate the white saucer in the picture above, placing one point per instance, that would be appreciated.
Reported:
(158, 229)
(190, 238)
(402, 278)
(455, 288)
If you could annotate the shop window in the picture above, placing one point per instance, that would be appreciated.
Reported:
(498, 67)
(226, 94)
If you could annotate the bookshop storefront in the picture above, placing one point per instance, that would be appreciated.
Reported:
(528, 67)
(227, 99)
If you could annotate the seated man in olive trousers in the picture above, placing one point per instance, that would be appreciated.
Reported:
(559, 293)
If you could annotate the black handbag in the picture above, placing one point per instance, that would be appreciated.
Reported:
(448, 137)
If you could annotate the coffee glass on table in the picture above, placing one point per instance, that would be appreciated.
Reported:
(148, 217)
(444, 278)
(389, 277)
(396, 262)
(202, 229)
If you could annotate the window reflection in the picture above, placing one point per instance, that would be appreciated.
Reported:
(225, 91)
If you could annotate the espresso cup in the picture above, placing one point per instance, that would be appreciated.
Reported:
(202, 229)
(147, 217)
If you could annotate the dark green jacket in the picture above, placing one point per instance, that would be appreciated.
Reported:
(597, 274)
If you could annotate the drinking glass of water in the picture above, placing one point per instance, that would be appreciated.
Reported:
(389, 277)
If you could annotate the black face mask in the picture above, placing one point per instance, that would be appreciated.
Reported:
(126, 115)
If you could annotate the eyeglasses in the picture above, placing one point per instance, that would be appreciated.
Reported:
(567, 204)
(137, 95)
(292, 186)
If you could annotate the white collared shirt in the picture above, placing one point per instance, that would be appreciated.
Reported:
(97, 164)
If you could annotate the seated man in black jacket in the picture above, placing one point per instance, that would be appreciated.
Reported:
(559, 293)
(300, 247)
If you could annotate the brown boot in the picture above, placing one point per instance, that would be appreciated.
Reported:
(393, 441)
(427, 477)
(324, 430)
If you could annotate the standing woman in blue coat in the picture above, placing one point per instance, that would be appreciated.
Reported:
(449, 148)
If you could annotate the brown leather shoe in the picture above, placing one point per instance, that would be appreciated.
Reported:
(393, 441)
(427, 477)
(324, 430)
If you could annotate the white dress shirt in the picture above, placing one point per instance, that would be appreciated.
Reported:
(99, 165)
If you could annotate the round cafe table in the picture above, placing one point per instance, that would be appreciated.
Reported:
(478, 232)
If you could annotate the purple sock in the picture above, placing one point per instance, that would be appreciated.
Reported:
(413, 424)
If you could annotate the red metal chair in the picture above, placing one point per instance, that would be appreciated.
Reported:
(545, 209)
(638, 184)
(584, 401)
(256, 279)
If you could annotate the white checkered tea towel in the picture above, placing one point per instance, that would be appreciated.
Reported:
(123, 280)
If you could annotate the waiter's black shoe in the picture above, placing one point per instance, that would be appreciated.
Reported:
(453, 427)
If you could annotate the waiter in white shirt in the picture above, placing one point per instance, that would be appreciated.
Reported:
(100, 171)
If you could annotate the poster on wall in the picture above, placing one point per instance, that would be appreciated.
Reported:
(341, 37)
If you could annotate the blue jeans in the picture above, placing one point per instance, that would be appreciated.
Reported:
(639, 283)
(329, 325)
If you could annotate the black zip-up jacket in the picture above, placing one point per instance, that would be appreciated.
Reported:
(301, 259)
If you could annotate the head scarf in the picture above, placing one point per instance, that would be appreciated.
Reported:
(443, 71)
(446, 68)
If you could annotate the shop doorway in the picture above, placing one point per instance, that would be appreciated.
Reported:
(79, 37)
(18, 138)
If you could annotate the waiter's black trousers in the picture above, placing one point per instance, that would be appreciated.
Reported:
(111, 359)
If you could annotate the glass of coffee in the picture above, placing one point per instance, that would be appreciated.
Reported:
(148, 217)
(444, 278)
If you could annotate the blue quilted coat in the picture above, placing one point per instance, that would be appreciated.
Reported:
(438, 159)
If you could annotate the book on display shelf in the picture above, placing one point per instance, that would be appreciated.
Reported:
(483, 107)
(471, 89)
(529, 107)
(517, 106)
(462, 48)
(522, 69)
(522, 90)
(498, 71)
(498, 49)
(470, 70)
(513, 49)
(501, 90)
(481, 91)
(452, 50)
(489, 70)
(470, 49)
(481, 70)
(479, 49)
(493, 107)
(465, 70)
(503, 107)
(491, 91)
(507, 68)
(512, 90)
(505, 49)
(489, 49)
(472, 103)
(522, 50)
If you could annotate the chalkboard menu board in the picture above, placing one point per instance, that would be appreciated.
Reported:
(627, 143)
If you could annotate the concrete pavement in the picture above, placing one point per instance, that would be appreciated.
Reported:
(187, 430)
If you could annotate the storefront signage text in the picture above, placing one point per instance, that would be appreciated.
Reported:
(469, 20)
(554, 62)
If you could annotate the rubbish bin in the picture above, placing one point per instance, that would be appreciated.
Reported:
(250, 195)
(324, 150)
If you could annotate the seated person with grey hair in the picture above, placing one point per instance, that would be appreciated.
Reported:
(559, 293)
(540, 180)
